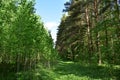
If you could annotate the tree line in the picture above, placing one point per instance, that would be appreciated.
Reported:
(24, 42)
(90, 32)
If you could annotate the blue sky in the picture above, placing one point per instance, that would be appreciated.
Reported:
(51, 13)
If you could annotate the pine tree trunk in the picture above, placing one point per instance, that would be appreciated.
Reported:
(106, 38)
(97, 34)
(88, 34)
(17, 65)
(112, 48)
(48, 64)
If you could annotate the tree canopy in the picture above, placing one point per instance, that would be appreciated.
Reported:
(90, 32)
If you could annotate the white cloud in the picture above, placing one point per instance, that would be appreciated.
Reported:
(52, 26)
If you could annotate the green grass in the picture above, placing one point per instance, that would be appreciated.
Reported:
(78, 71)
(71, 71)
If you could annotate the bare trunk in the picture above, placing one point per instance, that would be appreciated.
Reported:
(112, 48)
(97, 34)
(88, 33)
(118, 20)
(17, 65)
(106, 40)
(48, 64)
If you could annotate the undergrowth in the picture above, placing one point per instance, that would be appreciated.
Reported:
(66, 71)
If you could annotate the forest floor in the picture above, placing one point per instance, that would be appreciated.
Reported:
(68, 71)
(77, 71)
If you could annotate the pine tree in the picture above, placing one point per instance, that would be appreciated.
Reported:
(90, 32)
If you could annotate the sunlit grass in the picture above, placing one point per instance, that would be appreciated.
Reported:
(76, 71)
(68, 71)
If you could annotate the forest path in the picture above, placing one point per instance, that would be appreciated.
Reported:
(77, 71)
(66, 70)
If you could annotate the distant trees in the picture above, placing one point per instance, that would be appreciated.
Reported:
(90, 32)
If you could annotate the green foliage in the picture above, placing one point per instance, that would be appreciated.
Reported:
(87, 35)
(24, 42)
(66, 70)
(71, 77)
(90, 32)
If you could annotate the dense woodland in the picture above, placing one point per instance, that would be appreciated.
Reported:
(87, 46)
(24, 42)
(90, 32)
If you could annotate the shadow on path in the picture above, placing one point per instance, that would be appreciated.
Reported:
(93, 71)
